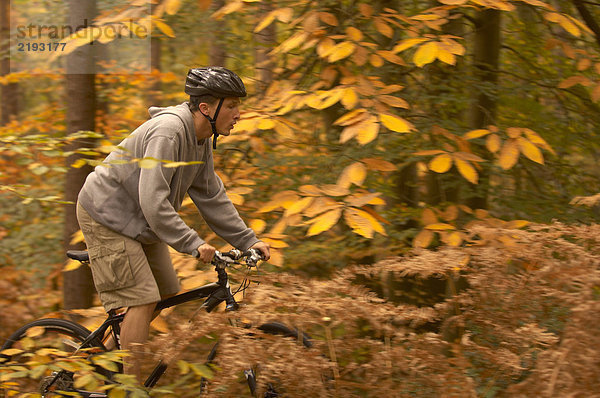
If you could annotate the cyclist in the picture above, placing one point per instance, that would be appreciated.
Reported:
(128, 213)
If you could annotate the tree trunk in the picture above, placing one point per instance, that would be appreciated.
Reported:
(81, 108)
(486, 54)
(154, 94)
(265, 40)
(217, 51)
(9, 103)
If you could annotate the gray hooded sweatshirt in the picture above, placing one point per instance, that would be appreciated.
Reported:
(142, 203)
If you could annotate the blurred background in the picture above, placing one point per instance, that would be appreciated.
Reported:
(428, 168)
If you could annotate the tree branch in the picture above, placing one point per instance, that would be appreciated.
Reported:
(588, 18)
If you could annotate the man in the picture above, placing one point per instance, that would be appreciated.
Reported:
(128, 214)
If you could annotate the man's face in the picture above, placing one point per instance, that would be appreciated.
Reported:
(228, 115)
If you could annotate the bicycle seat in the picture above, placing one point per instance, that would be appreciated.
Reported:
(79, 255)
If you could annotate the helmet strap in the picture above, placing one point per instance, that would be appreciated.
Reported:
(213, 122)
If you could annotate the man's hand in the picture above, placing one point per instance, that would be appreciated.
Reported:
(264, 248)
(206, 253)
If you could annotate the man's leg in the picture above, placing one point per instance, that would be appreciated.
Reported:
(134, 333)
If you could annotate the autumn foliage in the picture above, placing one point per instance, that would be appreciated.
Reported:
(429, 189)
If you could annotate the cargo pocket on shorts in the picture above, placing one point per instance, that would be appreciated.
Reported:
(110, 266)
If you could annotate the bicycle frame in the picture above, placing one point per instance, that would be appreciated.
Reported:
(216, 293)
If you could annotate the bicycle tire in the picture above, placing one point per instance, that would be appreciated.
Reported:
(55, 333)
(274, 328)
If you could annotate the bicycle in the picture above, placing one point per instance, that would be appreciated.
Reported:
(62, 333)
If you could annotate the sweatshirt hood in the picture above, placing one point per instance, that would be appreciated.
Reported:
(181, 110)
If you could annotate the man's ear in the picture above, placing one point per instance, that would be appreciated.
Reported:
(203, 107)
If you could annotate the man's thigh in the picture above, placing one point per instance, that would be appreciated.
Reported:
(121, 271)
(159, 259)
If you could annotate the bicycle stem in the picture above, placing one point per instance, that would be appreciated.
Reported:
(231, 304)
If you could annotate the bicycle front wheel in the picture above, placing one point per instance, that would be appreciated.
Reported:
(261, 386)
(29, 355)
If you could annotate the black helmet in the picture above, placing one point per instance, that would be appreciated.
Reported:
(214, 80)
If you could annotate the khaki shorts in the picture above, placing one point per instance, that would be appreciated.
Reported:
(126, 273)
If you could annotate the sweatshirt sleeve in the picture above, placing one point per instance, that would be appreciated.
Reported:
(209, 196)
(154, 189)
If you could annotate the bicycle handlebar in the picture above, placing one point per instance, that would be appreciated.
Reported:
(252, 257)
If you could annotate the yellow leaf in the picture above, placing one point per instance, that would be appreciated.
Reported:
(276, 258)
(334, 190)
(513, 132)
(379, 164)
(228, 9)
(353, 174)
(71, 265)
(148, 163)
(349, 98)
(235, 198)
(363, 199)
(423, 239)
(537, 140)
(354, 33)
(441, 163)
(309, 190)
(426, 54)
(376, 60)
(35, 331)
(359, 225)
(428, 217)
(395, 123)
(267, 20)
(451, 213)
(298, 206)
(77, 237)
(294, 41)
(467, 170)
(515, 224)
(366, 10)
(284, 130)
(351, 117)
(11, 351)
(79, 163)
(368, 131)
(569, 26)
(285, 14)
(282, 199)
(321, 205)
(408, 43)
(454, 239)
(329, 18)
(509, 155)
(393, 101)
(266, 124)
(573, 80)
(341, 51)
(476, 134)
(258, 225)
(383, 28)
(493, 143)
(325, 47)
(530, 151)
(446, 56)
(172, 6)
(324, 222)
(439, 227)
(160, 324)
(276, 243)
(391, 57)
(163, 27)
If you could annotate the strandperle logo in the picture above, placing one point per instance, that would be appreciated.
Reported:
(44, 37)
(125, 30)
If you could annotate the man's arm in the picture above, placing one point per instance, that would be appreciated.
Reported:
(154, 189)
